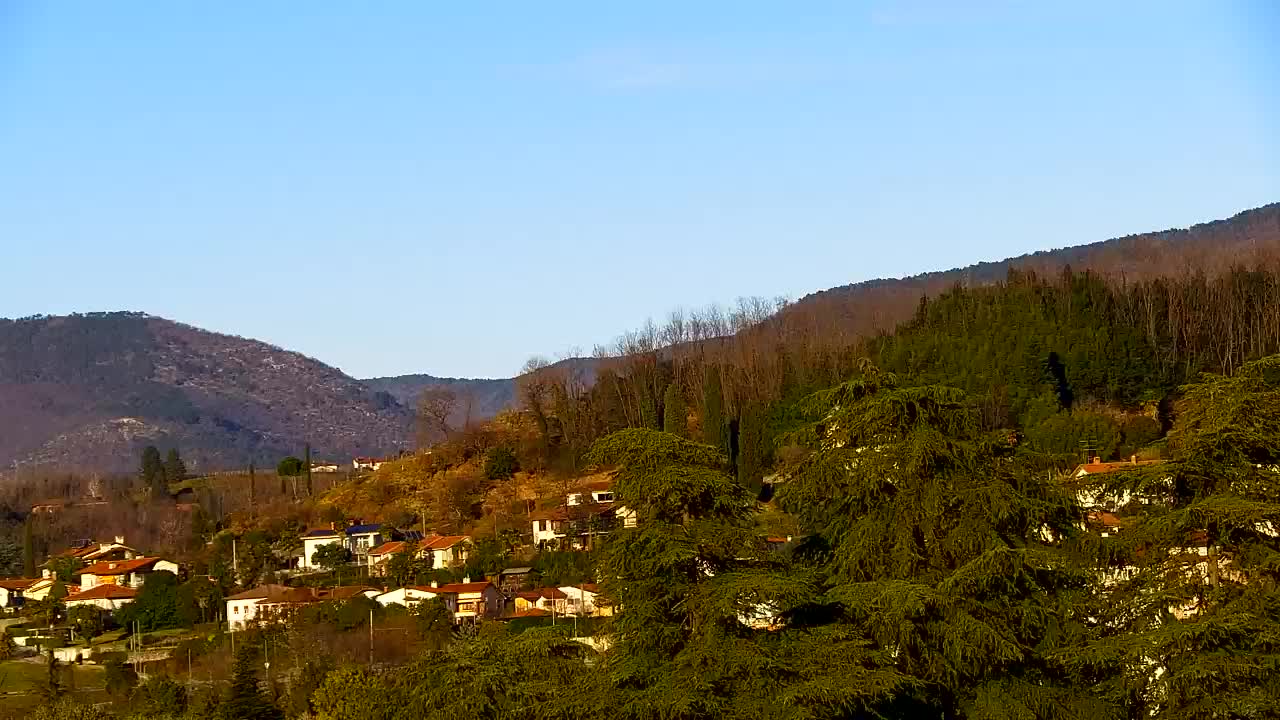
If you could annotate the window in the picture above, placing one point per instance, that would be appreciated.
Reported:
(604, 497)
(236, 610)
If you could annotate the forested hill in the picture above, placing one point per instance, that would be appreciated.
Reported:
(1249, 238)
(85, 391)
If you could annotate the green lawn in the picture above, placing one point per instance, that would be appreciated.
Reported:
(24, 676)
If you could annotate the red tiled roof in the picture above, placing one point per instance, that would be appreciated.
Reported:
(548, 592)
(120, 567)
(105, 591)
(531, 612)
(257, 593)
(1101, 468)
(597, 486)
(444, 542)
(18, 583)
(387, 548)
(1106, 519)
(461, 588)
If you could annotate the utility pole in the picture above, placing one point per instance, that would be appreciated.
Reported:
(371, 638)
(235, 565)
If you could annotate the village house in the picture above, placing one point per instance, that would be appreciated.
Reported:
(475, 600)
(312, 540)
(366, 463)
(106, 596)
(513, 580)
(39, 590)
(377, 558)
(271, 602)
(324, 467)
(588, 511)
(412, 595)
(552, 601)
(363, 537)
(585, 599)
(11, 591)
(88, 552)
(130, 573)
(448, 550)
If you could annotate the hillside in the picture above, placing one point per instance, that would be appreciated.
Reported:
(87, 391)
(483, 397)
(1249, 238)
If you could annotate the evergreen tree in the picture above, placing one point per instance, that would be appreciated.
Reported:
(675, 415)
(938, 550)
(152, 471)
(175, 470)
(750, 458)
(1192, 615)
(253, 484)
(245, 701)
(28, 550)
(649, 417)
(713, 423)
(689, 579)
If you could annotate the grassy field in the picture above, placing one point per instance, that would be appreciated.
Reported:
(19, 680)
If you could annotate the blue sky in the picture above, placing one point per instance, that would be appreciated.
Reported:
(430, 187)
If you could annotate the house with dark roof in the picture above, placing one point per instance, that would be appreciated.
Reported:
(475, 600)
(448, 550)
(361, 538)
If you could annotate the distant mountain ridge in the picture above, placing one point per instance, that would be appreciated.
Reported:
(88, 391)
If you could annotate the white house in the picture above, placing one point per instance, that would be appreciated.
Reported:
(107, 596)
(324, 467)
(410, 596)
(39, 590)
(363, 538)
(312, 540)
(129, 573)
(597, 493)
(366, 463)
(584, 600)
(448, 550)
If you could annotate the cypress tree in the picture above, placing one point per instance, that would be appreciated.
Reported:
(174, 469)
(940, 553)
(253, 484)
(751, 450)
(244, 700)
(713, 424)
(307, 462)
(28, 550)
(675, 415)
(1191, 615)
(152, 470)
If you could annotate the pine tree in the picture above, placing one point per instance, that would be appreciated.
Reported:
(941, 553)
(245, 701)
(1192, 615)
(713, 424)
(175, 470)
(750, 457)
(674, 412)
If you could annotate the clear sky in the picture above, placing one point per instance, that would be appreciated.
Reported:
(399, 187)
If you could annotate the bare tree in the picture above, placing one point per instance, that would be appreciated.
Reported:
(435, 407)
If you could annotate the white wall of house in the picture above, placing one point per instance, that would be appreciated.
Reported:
(242, 612)
(108, 604)
(543, 531)
(310, 545)
(410, 596)
(580, 601)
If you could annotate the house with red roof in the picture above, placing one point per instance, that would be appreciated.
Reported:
(128, 573)
(475, 600)
(107, 596)
(12, 589)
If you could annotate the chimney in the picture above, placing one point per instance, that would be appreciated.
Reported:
(1095, 459)
(119, 539)
(435, 584)
(788, 538)
(333, 526)
(1133, 459)
(466, 579)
